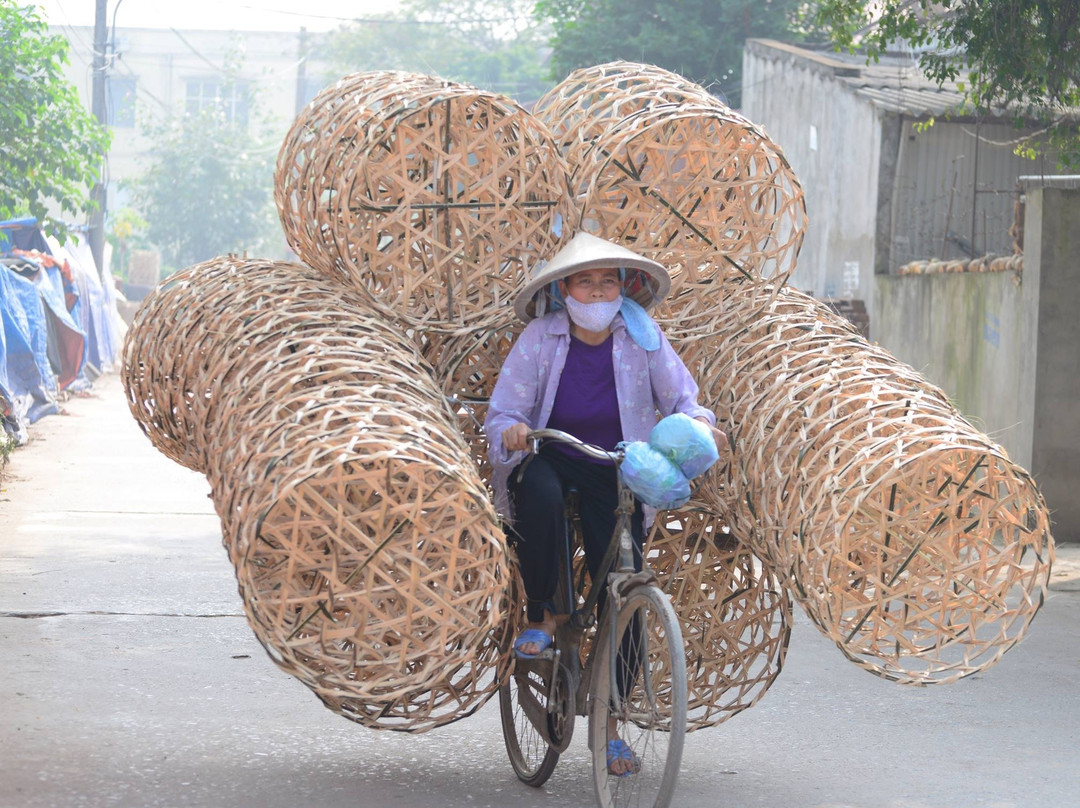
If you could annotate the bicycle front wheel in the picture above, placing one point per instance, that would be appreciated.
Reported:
(642, 703)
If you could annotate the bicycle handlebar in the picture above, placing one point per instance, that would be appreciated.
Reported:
(537, 435)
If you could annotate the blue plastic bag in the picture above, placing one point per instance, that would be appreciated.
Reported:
(653, 478)
(686, 442)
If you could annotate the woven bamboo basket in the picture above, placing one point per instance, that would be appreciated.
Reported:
(369, 560)
(908, 536)
(179, 341)
(431, 195)
(734, 612)
(584, 105)
(189, 338)
(660, 166)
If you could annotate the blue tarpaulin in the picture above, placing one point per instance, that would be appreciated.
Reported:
(58, 323)
(27, 382)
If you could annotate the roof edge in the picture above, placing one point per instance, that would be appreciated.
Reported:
(819, 62)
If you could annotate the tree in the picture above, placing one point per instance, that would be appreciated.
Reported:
(52, 146)
(1018, 55)
(496, 45)
(699, 39)
(208, 189)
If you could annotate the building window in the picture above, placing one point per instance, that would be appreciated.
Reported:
(120, 102)
(230, 98)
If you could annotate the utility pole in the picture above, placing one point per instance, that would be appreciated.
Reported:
(100, 193)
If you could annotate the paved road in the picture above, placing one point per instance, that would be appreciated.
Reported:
(129, 677)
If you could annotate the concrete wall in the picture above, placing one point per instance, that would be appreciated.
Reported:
(832, 140)
(1052, 241)
(1006, 347)
(973, 335)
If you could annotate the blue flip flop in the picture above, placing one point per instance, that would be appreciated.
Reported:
(619, 749)
(541, 638)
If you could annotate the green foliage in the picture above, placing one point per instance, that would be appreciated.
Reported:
(52, 146)
(1021, 55)
(492, 44)
(127, 232)
(699, 39)
(207, 191)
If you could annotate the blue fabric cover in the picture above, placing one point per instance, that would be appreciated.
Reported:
(686, 442)
(639, 324)
(26, 378)
(653, 478)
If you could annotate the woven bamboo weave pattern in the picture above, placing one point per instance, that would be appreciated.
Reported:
(467, 365)
(735, 615)
(171, 361)
(590, 99)
(432, 195)
(910, 538)
(369, 560)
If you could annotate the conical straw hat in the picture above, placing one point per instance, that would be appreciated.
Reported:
(648, 286)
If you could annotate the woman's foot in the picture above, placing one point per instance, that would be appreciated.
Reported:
(621, 759)
(530, 647)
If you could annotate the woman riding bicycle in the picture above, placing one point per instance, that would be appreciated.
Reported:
(590, 362)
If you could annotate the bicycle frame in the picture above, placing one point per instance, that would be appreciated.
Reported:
(544, 694)
(616, 573)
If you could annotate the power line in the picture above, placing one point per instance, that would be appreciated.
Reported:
(196, 52)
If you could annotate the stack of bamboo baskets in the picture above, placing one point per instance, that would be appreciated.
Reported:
(335, 404)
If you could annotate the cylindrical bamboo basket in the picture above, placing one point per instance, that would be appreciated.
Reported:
(909, 537)
(584, 105)
(662, 167)
(431, 195)
(187, 341)
(369, 559)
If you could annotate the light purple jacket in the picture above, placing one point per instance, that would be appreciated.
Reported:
(645, 382)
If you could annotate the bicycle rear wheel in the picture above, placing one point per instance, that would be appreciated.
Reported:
(650, 706)
(522, 701)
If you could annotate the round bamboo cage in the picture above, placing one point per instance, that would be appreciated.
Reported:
(734, 612)
(583, 106)
(663, 168)
(909, 537)
(369, 559)
(431, 195)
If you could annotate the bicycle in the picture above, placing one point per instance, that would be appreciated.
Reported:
(540, 699)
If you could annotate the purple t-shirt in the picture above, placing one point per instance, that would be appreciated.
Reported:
(586, 404)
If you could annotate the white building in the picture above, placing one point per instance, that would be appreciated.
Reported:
(153, 72)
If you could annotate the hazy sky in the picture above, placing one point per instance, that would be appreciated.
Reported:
(244, 15)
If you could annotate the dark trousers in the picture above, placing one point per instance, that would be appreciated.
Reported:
(538, 490)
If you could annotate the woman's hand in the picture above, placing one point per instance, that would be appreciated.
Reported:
(516, 437)
(719, 435)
